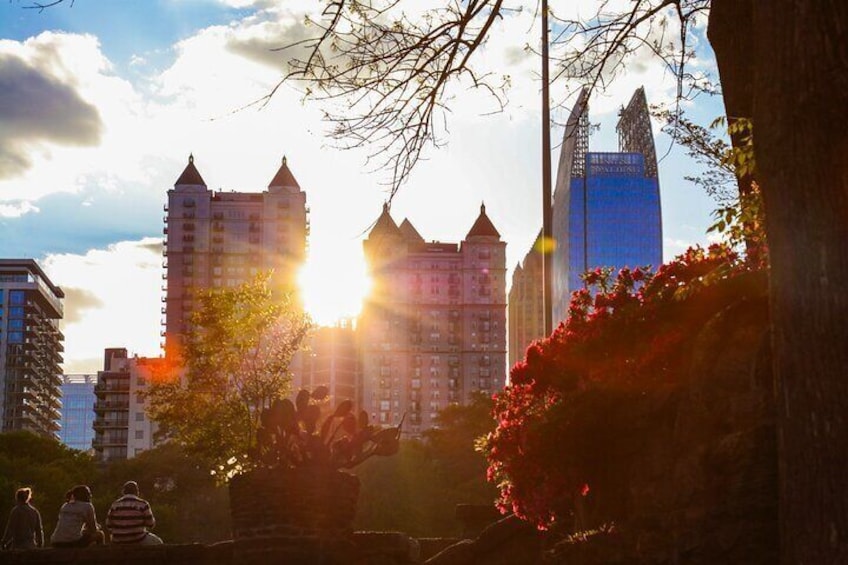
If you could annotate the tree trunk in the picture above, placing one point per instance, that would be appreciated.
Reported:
(800, 114)
(731, 35)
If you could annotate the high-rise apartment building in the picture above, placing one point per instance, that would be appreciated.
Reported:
(30, 348)
(122, 428)
(526, 308)
(433, 329)
(222, 239)
(77, 424)
(331, 359)
(606, 208)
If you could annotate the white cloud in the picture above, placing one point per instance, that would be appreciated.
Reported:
(114, 299)
(16, 210)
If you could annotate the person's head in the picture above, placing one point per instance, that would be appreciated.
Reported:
(81, 493)
(23, 495)
(130, 487)
(69, 496)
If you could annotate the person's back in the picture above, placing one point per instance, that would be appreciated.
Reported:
(77, 524)
(23, 530)
(72, 519)
(130, 517)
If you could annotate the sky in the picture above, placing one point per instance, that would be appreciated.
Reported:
(101, 103)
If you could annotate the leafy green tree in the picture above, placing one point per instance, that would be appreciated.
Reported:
(46, 465)
(188, 504)
(234, 362)
(417, 490)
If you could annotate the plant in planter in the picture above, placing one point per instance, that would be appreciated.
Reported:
(296, 497)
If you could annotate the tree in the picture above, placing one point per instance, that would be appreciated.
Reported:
(417, 490)
(783, 65)
(49, 467)
(188, 505)
(235, 362)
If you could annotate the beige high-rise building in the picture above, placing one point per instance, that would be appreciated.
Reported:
(122, 428)
(222, 239)
(30, 348)
(331, 359)
(526, 307)
(433, 330)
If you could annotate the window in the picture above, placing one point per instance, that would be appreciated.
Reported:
(17, 297)
(139, 434)
(139, 416)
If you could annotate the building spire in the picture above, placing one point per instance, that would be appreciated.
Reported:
(284, 177)
(190, 175)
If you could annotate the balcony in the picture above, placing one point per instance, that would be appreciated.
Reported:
(110, 423)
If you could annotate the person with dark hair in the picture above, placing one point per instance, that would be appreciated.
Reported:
(130, 517)
(77, 525)
(23, 530)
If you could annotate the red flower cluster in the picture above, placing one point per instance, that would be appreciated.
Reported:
(622, 333)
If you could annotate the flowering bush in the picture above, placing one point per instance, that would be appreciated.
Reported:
(624, 335)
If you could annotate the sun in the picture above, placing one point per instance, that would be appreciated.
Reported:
(333, 286)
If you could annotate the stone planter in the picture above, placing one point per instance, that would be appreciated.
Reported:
(300, 515)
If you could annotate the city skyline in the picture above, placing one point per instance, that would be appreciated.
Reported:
(152, 84)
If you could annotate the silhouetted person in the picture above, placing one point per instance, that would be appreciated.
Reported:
(23, 530)
(130, 517)
(77, 525)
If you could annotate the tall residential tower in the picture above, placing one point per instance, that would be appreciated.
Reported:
(222, 239)
(433, 330)
(30, 348)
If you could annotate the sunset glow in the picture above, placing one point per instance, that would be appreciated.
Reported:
(333, 287)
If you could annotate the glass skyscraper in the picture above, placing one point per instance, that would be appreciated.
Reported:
(606, 209)
(77, 424)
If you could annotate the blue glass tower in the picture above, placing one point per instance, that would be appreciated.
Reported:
(606, 209)
(77, 423)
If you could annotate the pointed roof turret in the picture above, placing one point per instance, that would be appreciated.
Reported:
(190, 174)
(384, 225)
(284, 177)
(483, 226)
(409, 232)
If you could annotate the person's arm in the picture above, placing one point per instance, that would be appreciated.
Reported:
(149, 520)
(8, 532)
(109, 521)
(90, 518)
(39, 530)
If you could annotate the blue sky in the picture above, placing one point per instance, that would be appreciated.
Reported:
(104, 100)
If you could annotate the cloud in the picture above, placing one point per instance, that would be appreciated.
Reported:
(16, 209)
(120, 306)
(37, 107)
(77, 301)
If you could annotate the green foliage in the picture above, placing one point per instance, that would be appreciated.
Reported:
(417, 490)
(291, 435)
(703, 146)
(46, 465)
(740, 218)
(235, 362)
(188, 504)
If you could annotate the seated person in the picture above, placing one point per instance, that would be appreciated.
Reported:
(77, 525)
(130, 517)
(23, 530)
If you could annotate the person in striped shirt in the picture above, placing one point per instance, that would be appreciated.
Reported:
(130, 517)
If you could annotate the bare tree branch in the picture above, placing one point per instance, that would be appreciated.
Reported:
(384, 73)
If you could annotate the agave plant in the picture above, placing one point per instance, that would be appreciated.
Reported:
(293, 434)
